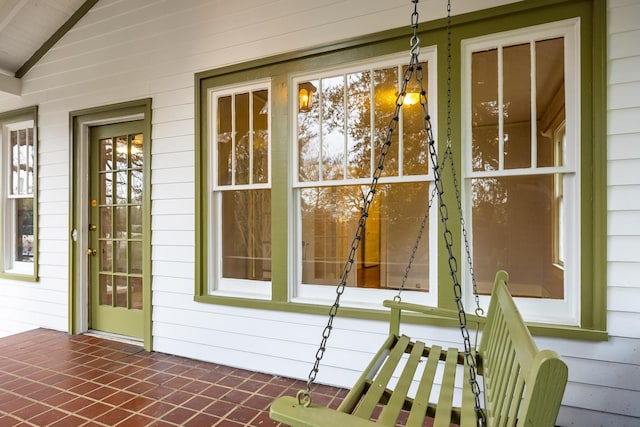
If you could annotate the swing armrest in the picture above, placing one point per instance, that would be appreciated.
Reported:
(434, 315)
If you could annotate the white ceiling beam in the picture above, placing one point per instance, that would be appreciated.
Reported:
(10, 85)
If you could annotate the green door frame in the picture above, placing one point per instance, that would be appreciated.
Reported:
(80, 122)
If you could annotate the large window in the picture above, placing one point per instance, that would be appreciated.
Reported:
(338, 135)
(19, 179)
(526, 89)
(521, 165)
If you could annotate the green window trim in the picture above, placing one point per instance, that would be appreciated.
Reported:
(279, 68)
(6, 119)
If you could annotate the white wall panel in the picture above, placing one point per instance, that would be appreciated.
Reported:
(125, 50)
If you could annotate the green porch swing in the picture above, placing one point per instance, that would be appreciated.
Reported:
(521, 385)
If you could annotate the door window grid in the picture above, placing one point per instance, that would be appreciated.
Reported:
(120, 207)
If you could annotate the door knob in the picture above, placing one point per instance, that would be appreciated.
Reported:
(92, 252)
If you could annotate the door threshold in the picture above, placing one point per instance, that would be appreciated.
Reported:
(115, 337)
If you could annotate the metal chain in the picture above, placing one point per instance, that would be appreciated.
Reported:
(449, 154)
(304, 396)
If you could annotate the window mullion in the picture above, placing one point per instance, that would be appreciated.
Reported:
(372, 122)
(534, 91)
(400, 124)
(320, 130)
(345, 132)
(250, 137)
(500, 109)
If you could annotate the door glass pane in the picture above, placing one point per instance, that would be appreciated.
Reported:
(106, 255)
(136, 151)
(135, 218)
(122, 187)
(122, 291)
(105, 222)
(106, 290)
(120, 247)
(517, 106)
(136, 292)
(106, 154)
(136, 187)
(122, 151)
(135, 254)
(121, 225)
(484, 110)
(106, 188)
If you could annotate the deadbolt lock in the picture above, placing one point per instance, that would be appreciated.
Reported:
(92, 252)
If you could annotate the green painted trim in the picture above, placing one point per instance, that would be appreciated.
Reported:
(512, 16)
(60, 32)
(77, 119)
(22, 114)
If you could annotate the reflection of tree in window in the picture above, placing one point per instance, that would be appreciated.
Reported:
(335, 143)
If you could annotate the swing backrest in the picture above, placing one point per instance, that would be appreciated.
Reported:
(520, 382)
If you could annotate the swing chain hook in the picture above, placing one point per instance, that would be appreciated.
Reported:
(415, 40)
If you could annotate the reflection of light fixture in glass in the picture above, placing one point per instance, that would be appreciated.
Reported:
(411, 98)
(305, 95)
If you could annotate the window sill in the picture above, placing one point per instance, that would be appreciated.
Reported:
(536, 329)
(19, 275)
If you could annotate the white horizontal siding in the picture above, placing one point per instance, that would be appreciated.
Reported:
(125, 50)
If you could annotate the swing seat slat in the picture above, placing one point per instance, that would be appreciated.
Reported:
(522, 386)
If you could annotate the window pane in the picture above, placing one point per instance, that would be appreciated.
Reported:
(484, 110)
(136, 151)
(106, 290)
(330, 217)
(309, 137)
(260, 137)
(106, 154)
(550, 98)
(24, 230)
(513, 229)
(242, 143)
(517, 106)
(136, 292)
(122, 151)
(415, 156)
(385, 94)
(359, 125)
(225, 140)
(21, 141)
(121, 291)
(333, 128)
(122, 187)
(246, 234)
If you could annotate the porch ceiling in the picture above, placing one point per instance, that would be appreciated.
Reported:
(28, 29)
